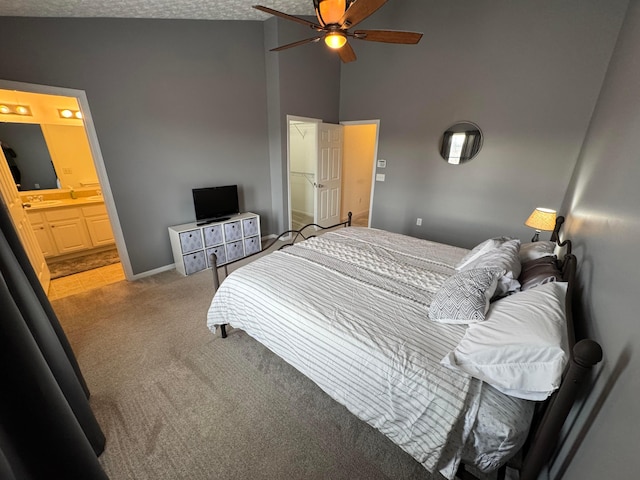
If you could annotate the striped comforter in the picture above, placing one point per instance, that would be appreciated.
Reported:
(349, 309)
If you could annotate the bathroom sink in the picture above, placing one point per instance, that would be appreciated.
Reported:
(95, 197)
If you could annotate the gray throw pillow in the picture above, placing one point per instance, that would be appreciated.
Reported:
(464, 297)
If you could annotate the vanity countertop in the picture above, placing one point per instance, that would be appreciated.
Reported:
(62, 203)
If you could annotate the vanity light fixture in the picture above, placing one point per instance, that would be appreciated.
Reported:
(541, 219)
(68, 113)
(15, 109)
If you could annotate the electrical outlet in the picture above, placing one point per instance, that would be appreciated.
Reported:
(382, 163)
(419, 221)
(380, 177)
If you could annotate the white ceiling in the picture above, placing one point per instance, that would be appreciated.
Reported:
(185, 9)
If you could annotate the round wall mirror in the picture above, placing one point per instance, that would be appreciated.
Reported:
(461, 142)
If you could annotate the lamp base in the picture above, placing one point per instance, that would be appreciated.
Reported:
(536, 236)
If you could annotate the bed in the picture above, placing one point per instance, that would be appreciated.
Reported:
(410, 336)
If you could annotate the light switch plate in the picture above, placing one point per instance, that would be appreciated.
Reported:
(382, 163)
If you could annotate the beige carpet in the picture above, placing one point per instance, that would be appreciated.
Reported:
(177, 402)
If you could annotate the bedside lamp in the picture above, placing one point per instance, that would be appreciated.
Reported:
(541, 219)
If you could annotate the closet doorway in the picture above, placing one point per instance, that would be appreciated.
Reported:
(330, 171)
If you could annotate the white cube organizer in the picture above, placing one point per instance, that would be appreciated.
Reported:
(193, 244)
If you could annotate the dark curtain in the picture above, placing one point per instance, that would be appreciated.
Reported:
(47, 428)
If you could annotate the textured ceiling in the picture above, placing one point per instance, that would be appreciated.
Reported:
(186, 9)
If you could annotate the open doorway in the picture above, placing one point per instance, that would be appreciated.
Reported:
(302, 155)
(93, 237)
(360, 150)
(357, 155)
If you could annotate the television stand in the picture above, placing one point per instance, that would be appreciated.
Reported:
(228, 238)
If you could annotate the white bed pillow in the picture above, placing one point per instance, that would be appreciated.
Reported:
(505, 257)
(521, 347)
(464, 297)
(534, 250)
(481, 249)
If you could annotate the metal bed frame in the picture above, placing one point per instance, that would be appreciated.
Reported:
(295, 235)
(550, 415)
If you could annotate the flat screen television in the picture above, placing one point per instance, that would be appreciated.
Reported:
(215, 203)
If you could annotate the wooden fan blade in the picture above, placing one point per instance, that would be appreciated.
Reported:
(358, 11)
(346, 53)
(302, 21)
(388, 36)
(295, 44)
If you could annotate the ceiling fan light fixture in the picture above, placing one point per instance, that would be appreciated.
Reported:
(330, 11)
(335, 40)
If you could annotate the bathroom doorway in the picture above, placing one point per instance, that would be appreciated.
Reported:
(101, 232)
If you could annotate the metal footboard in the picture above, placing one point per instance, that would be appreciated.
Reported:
(296, 235)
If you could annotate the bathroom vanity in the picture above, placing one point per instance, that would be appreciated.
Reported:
(70, 226)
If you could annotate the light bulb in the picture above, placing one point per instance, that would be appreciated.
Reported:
(66, 113)
(4, 109)
(335, 40)
(22, 110)
(78, 114)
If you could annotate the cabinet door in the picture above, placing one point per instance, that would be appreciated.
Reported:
(235, 250)
(232, 231)
(191, 240)
(250, 226)
(252, 245)
(220, 253)
(194, 262)
(70, 235)
(100, 230)
(213, 235)
(45, 240)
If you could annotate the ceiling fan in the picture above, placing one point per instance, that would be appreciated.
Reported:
(335, 18)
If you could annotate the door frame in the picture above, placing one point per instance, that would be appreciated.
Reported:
(293, 118)
(374, 159)
(96, 153)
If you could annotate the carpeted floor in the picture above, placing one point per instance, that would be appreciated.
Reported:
(177, 402)
(62, 268)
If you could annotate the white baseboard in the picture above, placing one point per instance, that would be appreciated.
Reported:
(155, 271)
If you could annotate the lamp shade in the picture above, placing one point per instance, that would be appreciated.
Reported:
(330, 11)
(542, 219)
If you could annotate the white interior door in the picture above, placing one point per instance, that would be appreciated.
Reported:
(12, 199)
(328, 178)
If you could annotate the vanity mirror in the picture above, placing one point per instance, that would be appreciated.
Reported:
(47, 156)
(461, 142)
(26, 151)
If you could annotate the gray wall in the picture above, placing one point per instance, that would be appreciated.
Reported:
(180, 104)
(302, 81)
(604, 223)
(528, 73)
(176, 105)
